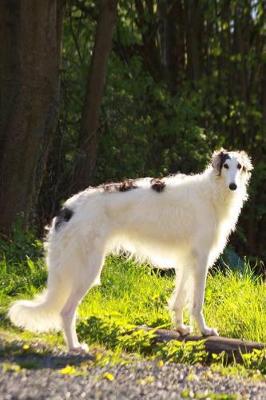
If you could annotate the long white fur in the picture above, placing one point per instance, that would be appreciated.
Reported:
(185, 227)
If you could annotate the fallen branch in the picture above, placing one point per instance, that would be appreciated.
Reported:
(233, 348)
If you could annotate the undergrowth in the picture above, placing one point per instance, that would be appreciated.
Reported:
(132, 295)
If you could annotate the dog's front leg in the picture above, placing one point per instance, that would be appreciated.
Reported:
(200, 275)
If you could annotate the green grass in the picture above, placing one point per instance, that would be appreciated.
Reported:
(236, 304)
(131, 295)
(136, 294)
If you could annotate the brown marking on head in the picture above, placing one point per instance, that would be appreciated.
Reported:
(157, 184)
(123, 186)
(218, 159)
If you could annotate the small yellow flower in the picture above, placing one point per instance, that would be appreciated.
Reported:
(25, 347)
(68, 370)
(108, 376)
(160, 363)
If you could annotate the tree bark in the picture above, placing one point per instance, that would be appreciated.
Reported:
(194, 28)
(172, 42)
(146, 21)
(30, 59)
(89, 133)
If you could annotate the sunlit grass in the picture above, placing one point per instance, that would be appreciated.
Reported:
(130, 292)
(234, 303)
(136, 294)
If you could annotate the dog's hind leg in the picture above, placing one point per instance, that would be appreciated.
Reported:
(88, 278)
(200, 271)
(178, 302)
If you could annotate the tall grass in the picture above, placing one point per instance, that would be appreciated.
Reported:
(235, 303)
(135, 294)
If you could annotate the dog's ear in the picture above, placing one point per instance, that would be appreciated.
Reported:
(245, 160)
(218, 159)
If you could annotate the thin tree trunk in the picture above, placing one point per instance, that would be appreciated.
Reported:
(172, 43)
(194, 28)
(89, 133)
(30, 54)
(146, 21)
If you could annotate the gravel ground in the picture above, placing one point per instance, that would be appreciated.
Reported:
(138, 380)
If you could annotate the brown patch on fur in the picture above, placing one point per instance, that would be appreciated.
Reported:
(123, 186)
(157, 185)
(127, 185)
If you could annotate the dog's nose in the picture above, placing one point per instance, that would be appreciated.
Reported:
(232, 186)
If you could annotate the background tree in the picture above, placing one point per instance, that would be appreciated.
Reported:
(30, 60)
(183, 78)
(89, 133)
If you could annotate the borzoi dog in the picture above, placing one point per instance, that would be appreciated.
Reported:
(181, 222)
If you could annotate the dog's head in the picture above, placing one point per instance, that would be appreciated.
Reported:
(233, 166)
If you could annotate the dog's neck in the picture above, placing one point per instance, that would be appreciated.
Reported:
(227, 203)
(227, 206)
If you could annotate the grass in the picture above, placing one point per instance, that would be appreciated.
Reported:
(137, 295)
(131, 295)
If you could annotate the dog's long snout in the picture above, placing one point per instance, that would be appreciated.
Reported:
(232, 186)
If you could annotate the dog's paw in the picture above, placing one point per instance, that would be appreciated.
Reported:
(210, 332)
(80, 348)
(184, 329)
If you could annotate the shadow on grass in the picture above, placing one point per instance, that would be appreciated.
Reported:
(38, 357)
(5, 321)
(34, 356)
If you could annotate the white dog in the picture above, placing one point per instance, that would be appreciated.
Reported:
(180, 222)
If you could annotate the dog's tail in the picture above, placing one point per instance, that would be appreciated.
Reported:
(42, 313)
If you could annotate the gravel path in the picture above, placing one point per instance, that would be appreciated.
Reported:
(37, 373)
(138, 380)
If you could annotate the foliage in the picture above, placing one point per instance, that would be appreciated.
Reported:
(184, 352)
(165, 112)
(114, 334)
(256, 360)
(20, 245)
(183, 78)
(22, 270)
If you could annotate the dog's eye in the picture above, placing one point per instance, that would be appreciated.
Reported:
(226, 166)
(239, 166)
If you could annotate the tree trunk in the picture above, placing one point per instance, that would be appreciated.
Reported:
(172, 42)
(89, 133)
(146, 21)
(194, 29)
(30, 55)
